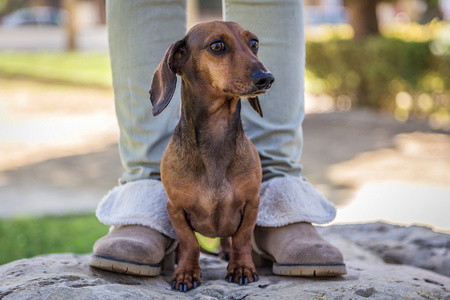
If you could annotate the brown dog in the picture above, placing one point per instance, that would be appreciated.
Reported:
(210, 170)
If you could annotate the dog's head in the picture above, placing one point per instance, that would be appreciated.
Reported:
(218, 59)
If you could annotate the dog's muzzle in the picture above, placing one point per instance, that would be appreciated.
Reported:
(262, 80)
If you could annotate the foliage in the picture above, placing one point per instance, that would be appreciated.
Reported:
(79, 68)
(326, 32)
(385, 73)
(415, 32)
(31, 236)
(8, 6)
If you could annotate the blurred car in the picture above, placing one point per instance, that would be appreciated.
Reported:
(326, 14)
(37, 15)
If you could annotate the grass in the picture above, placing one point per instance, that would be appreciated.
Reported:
(31, 236)
(78, 68)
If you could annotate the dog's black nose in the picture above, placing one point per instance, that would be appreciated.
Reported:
(262, 80)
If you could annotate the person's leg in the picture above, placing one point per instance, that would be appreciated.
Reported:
(278, 136)
(286, 198)
(139, 33)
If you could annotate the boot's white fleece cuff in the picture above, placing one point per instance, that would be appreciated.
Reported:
(141, 202)
(288, 200)
(284, 200)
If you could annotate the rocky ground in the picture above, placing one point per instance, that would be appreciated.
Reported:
(381, 262)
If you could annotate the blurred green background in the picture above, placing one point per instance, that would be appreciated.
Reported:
(400, 65)
(404, 70)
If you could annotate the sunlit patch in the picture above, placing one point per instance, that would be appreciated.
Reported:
(399, 202)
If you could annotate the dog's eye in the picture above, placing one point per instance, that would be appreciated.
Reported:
(254, 45)
(218, 46)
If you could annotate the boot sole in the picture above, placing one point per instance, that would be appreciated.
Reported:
(309, 270)
(306, 270)
(124, 266)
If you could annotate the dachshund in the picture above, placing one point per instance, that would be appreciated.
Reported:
(210, 170)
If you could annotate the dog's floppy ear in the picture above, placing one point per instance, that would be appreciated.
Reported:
(254, 102)
(165, 79)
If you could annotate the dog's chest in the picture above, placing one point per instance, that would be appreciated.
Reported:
(217, 212)
(215, 184)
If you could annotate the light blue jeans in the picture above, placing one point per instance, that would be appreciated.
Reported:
(140, 31)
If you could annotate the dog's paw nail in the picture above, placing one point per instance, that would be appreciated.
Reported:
(246, 280)
(240, 280)
(255, 277)
(195, 284)
(230, 278)
(174, 283)
(180, 287)
(185, 288)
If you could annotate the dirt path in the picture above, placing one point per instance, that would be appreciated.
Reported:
(59, 155)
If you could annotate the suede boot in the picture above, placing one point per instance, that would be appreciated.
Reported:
(296, 250)
(135, 250)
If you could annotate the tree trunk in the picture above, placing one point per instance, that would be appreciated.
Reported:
(364, 17)
(70, 25)
(101, 4)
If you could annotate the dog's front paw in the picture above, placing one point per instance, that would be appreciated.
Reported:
(242, 273)
(184, 279)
